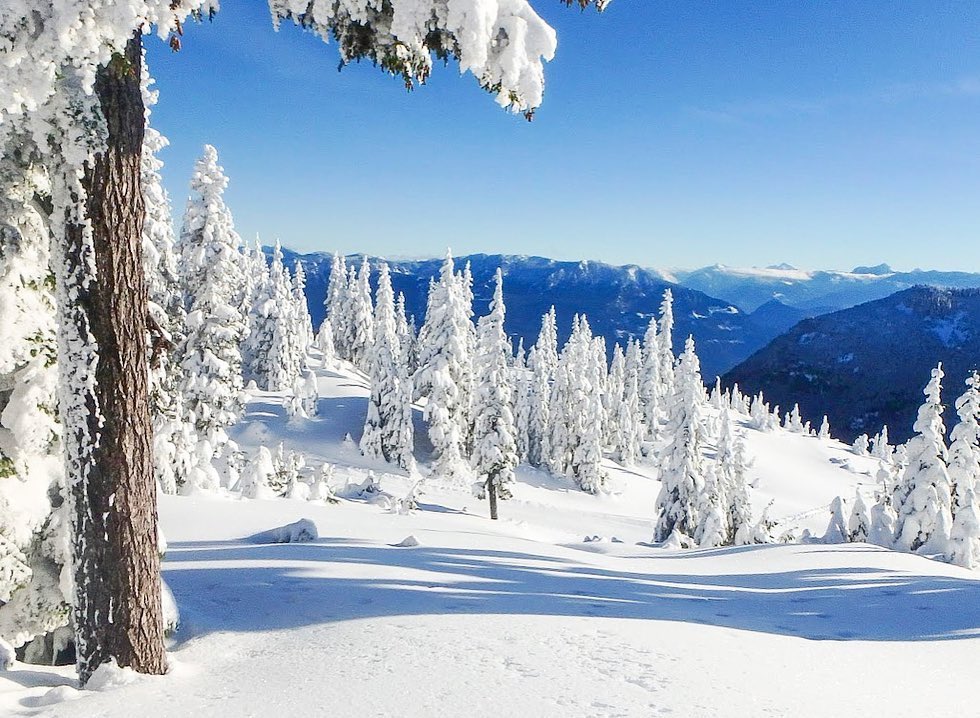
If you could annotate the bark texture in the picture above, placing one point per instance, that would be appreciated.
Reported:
(116, 563)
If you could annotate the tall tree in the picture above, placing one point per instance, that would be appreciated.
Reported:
(682, 470)
(923, 498)
(494, 446)
(388, 426)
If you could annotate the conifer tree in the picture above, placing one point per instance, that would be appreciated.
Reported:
(337, 304)
(543, 363)
(880, 448)
(521, 381)
(666, 344)
(732, 467)
(824, 432)
(388, 432)
(652, 389)
(361, 329)
(923, 501)
(964, 448)
(494, 446)
(682, 465)
(210, 355)
(443, 374)
(859, 524)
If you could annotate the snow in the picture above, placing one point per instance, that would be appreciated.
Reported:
(522, 616)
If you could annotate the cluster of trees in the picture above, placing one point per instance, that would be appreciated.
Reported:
(929, 486)
(488, 407)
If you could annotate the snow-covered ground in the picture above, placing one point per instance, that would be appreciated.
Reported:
(524, 616)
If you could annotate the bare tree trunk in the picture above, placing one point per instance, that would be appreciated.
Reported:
(110, 464)
(492, 495)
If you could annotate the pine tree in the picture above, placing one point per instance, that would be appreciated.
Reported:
(712, 529)
(522, 382)
(652, 389)
(586, 459)
(444, 371)
(732, 467)
(210, 355)
(406, 334)
(824, 432)
(34, 551)
(543, 363)
(337, 303)
(630, 418)
(880, 448)
(388, 432)
(964, 448)
(361, 329)
(860, 446)
(612, 398)
(494, 446)
(837, 531)
(666, 345)
(301, 310)
(277, 342)
(682, 464)
(859, 525)
(922, 500)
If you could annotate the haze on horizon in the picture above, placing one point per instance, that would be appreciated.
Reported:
(823, 135)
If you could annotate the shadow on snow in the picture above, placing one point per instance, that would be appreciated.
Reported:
(294, 588)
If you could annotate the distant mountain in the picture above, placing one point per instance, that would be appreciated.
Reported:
(815, 292)
(866, 366)
(619, 301)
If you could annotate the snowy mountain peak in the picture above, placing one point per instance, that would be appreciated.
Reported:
(878, 270)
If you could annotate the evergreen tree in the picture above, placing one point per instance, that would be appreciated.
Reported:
(443, 374)
(682, 465)
(210, 355)
(630, 418)
(880, 448)
(361, 329)
(388, 432)
(666, 345)
(337, 303)
(824, 432)
(301, 310)
(732, 467)
(964, 448)
(521, 380)
(34, 550)
(859, 525)
(543, 363)
(652, 389)
(406, 334)
(923, 499)
(494, 446)
(276, 343)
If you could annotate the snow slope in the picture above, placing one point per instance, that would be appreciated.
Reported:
(525, 617)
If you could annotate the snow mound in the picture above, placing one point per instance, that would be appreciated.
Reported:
(407, 542)
(111, 675)
(296, 532)
(59, 694)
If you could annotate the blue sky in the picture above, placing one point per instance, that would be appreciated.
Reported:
(674, 133)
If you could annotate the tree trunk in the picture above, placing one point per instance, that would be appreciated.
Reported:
(492, 495)
(109, 438)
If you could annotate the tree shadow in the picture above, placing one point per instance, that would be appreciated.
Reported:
(229, 586)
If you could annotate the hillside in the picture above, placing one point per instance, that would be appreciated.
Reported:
(559, 609)
(866, 366)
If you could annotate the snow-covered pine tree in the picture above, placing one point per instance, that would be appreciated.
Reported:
(494, 445)
(880, 448)
(406, 334)
(666, 344)
(682, 464)
(712, 529)
(859, 524)
(732, 468)
(301, 309)
(794, 422)
(277, 342)
(324, 342)
(34, 550)
(388, 432)
(543, 363)
(174, 440)
(586, 403)
(964, 447)
(337, 304)
(860, 446)
(210, 354)
(361, 329)
(837, 531)
(630, 419)
(521, 381)
(824, 433)
(923, 501)
(444, 371)
(612, 397)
